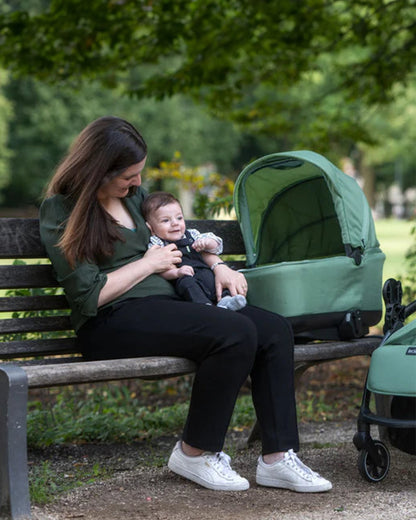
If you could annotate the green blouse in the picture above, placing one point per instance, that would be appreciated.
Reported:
(83, 284)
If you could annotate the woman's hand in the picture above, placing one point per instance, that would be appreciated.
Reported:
(162, 259)
(156, 260)
(226, 278)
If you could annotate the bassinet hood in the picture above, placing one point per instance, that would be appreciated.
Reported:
(278, 180)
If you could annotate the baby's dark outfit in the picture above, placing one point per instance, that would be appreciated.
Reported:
(199, 288)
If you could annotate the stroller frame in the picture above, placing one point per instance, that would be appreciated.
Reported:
(374, 456)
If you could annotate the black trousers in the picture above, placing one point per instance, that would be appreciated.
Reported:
(227, 347)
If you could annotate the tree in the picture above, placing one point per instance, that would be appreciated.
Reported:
(242, 58)
(303, 72)
(45, 119)
(5, 114)
(394, 128)
(392, 156)
(42, 126)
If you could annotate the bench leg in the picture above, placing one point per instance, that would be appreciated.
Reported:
(14, 483)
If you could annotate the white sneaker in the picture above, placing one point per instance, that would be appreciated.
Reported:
(211, 470)
(290, 473)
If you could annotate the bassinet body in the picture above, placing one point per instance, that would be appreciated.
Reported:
(311, 247)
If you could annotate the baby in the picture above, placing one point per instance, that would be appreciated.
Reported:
(194, 280)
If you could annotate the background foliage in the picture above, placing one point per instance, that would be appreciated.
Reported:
(45, 120)
(336, 77)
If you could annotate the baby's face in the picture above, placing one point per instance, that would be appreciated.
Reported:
(167, 222)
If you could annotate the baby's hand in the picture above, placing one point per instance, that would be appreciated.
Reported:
(185, 270)
(204, 244)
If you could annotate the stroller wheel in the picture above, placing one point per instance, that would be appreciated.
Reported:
(374, 470)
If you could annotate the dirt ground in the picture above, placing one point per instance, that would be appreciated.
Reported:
(139, 490)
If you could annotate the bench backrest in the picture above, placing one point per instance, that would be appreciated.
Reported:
(27, 307)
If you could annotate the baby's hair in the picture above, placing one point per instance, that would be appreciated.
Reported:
(156, 200)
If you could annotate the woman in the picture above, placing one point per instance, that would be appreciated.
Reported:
(96, 238)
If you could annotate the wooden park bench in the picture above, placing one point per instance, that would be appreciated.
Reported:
(27, 361)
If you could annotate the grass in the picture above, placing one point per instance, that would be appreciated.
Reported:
(46, 483)
(395, 239)
(121, 413)
(117, 413)
(104, 413)
(107, 413)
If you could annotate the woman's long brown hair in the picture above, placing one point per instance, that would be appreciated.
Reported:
(102, 151)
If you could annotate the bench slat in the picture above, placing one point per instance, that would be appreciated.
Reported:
(37, 347)
(46, 324)
(322, 351)
(303, 353)
(107, 370)
(41, 275)
(30, 303)
(56, 372)
(26, 276)
(228, 230)
(20, 238)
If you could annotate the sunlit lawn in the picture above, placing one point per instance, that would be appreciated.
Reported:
(395, 239)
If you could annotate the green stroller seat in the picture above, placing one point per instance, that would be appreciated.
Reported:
(391, 379)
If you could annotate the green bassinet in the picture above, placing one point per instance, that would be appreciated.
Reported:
(311, 247)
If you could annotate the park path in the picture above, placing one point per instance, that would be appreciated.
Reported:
(138, 491)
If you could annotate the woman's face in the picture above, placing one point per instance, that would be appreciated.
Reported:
(118, 187)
